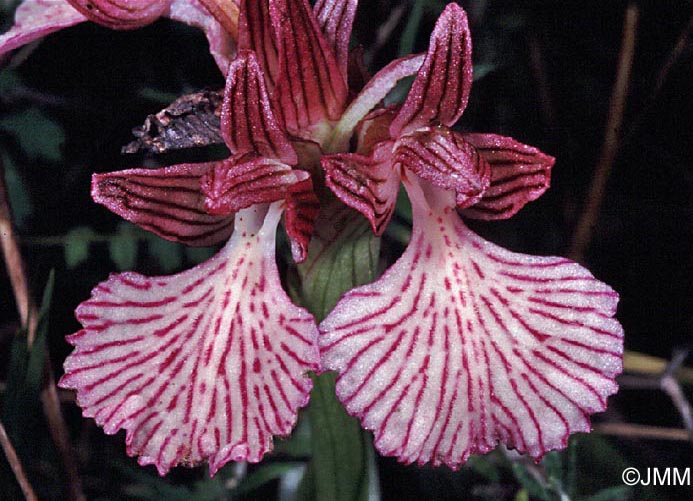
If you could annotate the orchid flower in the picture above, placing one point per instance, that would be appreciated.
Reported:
(462, 344)
(210, 364)
(458, 346)
(35, 19)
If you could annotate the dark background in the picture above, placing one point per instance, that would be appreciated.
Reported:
(545, 75)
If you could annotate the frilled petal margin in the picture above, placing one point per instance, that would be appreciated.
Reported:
(208, 364)
(168, 202)
(37, 18)
(462, 344)
(519, 174)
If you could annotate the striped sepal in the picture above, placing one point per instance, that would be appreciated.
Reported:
(35, 19)
(302, 208)
(168, 202)
(122, 14)
(462, 344)
(310, 88)
(245, 180)
(206, 365)
(255, 33)
(366, 184)
(444, 158)
(335, 18)
(519, 174)
(441, 89)
(247, 121)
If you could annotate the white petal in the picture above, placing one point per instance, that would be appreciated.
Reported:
(208, 364)
(462, 344)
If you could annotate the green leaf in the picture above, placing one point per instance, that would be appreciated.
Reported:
(616, 493)
(522, 495)
(197, 255)
(485, 467)
(344, 257)
(17, 193)
(9, 80)
(168, 254)
(343, 254)
(123, 247)
(77, 243)
(39, 135)
(411, 30)
(534, 487)
(264, 474)
(21, 407)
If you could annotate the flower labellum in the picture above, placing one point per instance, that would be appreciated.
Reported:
(461, 344)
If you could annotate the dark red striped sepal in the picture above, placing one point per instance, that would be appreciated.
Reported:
(247, 121)
(440, 91)
(462, 345)
(245, 180)
(444, 158)
(310, 88)
(35, 19)
(168, 202)
(519, 174)
(302, 208)
(255, 33)
(364, 183)
(206, 365)
(122, 14)
(335, 18)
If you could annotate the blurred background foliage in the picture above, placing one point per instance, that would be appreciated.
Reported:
(544, 71)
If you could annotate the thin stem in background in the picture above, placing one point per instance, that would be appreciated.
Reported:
(16, 465)
(14, 264)
(639, 431)
(29, 318)
(612, 138)
(671, 61)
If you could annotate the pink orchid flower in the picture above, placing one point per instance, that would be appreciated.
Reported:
(210, 364)
(34, 19)
(462, 344)
(458, 346)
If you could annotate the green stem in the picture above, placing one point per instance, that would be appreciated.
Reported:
(343, 255)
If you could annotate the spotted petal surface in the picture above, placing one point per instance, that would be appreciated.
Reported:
(208, 364)
(35, 19)
(463, 344)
